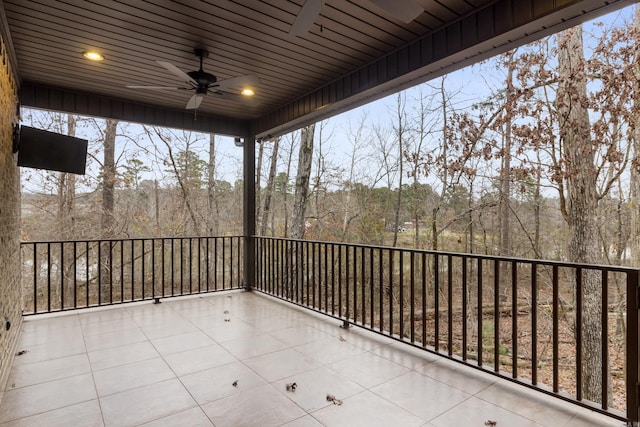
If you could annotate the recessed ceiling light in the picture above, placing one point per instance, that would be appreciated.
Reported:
(93, 55)
(248, 92)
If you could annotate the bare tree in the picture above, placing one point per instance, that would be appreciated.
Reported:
(581, 204)
(298, 219)
(108, 221)
(268, 191)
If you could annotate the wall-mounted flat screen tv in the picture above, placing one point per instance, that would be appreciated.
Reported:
(41, 149)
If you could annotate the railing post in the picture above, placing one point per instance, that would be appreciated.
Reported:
(249, 204)
(632, 356)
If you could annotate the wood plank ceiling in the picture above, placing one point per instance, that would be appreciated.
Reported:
(297, 75)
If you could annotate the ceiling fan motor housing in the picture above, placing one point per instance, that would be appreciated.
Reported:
(203, 78)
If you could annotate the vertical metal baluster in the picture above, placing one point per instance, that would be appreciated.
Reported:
(199, 240)
(163, 259)
(371, 294)
(605, 339)
(479, 311)
(313, 274)
(347, 264)
(436, 301)
(412, 283)
(231, 275)
(173, 269)
(333, 279)
(61, 275)
(87, 274)
(579, 333)
(424, 299)
(99, 272)
(35, 278)
(401, 285)
(153, 268)
(381, 288)
(391, 252)
(215, 264)
(208, 261)
(144, 261)
(224, 263)
(496, 315)
(363, 287)
(326, 278)
(534, 323)
(514, 319)
(354, 281)
(121, 270)
(465, 260)
(632, 356)
(110, 271)
(555, 333)
(340, 280)
(75, 274)
(450, 305)
(190, 255)
(305, 273)
(133, 270)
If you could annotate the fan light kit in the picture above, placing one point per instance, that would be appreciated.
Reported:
(203, 83)
(92, 55)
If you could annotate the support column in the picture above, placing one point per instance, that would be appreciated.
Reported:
(249, 208)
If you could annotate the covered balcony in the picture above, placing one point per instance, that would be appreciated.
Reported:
(254, 330)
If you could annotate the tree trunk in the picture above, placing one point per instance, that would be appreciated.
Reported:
(212, 203)
(258, 181)
(109, 179)
(67, 194)
(268, 191)
(581, 198)
(400, 130)
(635, 163)
(302, 182)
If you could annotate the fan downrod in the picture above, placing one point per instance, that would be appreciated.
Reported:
(201, 53)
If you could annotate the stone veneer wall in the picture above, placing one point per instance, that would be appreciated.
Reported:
(10, 231)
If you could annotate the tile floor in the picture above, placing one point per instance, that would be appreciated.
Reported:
(176, 363)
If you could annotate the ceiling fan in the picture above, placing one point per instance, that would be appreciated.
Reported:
(404, 10)
(203, 83)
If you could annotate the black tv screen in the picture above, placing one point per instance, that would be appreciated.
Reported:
(41, 149)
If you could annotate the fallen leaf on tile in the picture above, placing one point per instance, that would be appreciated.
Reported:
(331, 398)
(21, 352)
(342, 338)
(292, 386)
(235, 383)
(490, 423)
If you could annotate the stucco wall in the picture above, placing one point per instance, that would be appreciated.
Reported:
(10, 286)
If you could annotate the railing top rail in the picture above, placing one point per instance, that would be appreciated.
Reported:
(126, 239)
(613, 268)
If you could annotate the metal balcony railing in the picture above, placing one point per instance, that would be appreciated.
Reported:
(68, 275)
(565, 329)
(568, 330)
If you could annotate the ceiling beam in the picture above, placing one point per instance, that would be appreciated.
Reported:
(87, 104)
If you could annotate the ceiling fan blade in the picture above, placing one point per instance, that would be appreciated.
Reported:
(177, 72)
(306, 17)
(195, 101)
(237, 82)
(158, 87)
(249, 101)
(405, 10)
